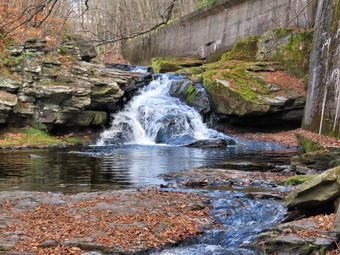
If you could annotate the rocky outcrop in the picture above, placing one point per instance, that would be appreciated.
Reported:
(249, 93)
(243, 91)
(317, 193)
(52, 86)
(289, 46)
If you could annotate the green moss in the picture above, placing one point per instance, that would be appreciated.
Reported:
(295, 180)
(164, 65)
(63, 51)
(191, 71)
(247, 83)
(32, 137)
(295, 54)
(73, 140)
(336, 17)
(203, 3)
(190, 94)
(245, 49)
(307, 144)
(38, 125)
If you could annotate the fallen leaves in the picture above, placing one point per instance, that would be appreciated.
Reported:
(285, 80)
(324, 223)
(173, 220)
(288, 138)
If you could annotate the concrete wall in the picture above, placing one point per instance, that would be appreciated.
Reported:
(214, 29)
(322, 112)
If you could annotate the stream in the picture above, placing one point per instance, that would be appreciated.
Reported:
(145, 141)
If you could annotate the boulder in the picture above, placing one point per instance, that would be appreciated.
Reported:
(193, 94)
(316, 193)
(243, 90)
(212, 143)
(289, 46)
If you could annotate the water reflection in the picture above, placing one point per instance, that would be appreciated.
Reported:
(102, 168)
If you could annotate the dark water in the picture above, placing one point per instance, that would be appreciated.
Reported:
(116, 167)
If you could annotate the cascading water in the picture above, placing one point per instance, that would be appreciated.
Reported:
(155, 117)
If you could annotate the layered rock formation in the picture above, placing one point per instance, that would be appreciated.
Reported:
(53, 86)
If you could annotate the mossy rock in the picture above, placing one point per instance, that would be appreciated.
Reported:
(165, 65)
(100, 118)
(296, 180)
(191, 71)
(38, 125)
(317, 191)
(320, 161)
(308, 145)
(192, 94)
(237, 88)
(245, 49)
(289, 46)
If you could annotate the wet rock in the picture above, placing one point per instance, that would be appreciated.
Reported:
(193, 94)
(204, 249)
(264, 195)
(317, 192)
(195, 183)
(212, 143)
(198, 177)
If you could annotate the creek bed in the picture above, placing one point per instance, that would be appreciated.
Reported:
(238, 217)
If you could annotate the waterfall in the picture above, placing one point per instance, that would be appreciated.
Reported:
(155, 117)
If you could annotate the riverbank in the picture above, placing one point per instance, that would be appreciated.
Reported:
(296, 233)
(107, 222)
(30, 137)
(284, 138)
